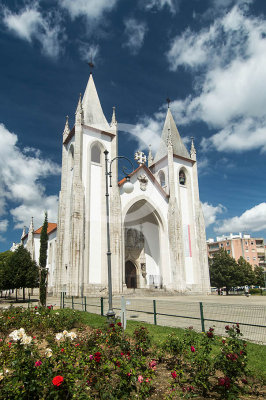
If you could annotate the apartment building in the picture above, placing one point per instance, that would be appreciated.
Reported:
(251, 249)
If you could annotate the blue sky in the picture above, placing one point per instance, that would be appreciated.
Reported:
(208, 56)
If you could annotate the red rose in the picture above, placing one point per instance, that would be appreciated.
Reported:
(244, 381)
(227, 382)
(97, 356)
(193, 349)
(174, 374)
(221, 381)
(227, 328)
(119, 324)
(57, 380)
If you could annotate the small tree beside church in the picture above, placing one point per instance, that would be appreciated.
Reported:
(42, 261)
(223, 270)
(6, 277)
(21, 271)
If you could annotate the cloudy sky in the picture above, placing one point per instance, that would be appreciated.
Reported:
(208, 56)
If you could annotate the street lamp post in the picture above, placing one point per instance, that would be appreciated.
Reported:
(128, 188)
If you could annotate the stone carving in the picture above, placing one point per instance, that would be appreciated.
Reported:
(134, 239)
(143, 181)
(143, 269)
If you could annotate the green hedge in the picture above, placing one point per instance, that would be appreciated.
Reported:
(258, 291)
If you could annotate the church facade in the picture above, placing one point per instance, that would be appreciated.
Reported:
(157, 232)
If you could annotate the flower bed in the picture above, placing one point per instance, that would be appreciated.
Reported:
(39, 361)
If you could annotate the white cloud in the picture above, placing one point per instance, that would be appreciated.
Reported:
(30, 24)
(210, 212)
(202, 166)
(229, 58)
(92, 9)
(147, 132)
(173, 5)
(252, 220)
(247, 134)
(88, 51)
(24, 24)
(22, 194)
(3, 225)
(190, 49)
(135, 32)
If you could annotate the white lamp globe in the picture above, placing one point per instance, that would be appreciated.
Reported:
(128, 186)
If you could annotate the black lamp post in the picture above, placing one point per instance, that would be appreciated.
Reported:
(128, 188)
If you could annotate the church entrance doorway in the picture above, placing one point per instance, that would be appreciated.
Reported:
(131, 275)
(142, 230)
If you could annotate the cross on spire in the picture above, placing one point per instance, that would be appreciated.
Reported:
(168, 101)
(91, 65)
(140, 157)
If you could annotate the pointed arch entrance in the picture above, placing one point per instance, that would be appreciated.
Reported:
(130, 275)
(143, 240)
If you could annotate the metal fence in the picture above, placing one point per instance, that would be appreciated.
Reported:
(200, 315)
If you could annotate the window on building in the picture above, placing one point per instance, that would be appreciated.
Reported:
(254, 258)
(253, 250)
(96, 154)
(222, 245)
(162, 178)
(248, 258)
(252, 243)
(246, 243)
(182, 177)
(228, 251)
(246, 249)
(227, 244)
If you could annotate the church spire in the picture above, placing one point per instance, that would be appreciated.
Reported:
(150, 157)
(31, 228)
(66, 130)
(79, 112)
(169, 138)
(30, 242)
(179, 148)
(193, 153)
(93, 113)
(113, 121)
(23, 233)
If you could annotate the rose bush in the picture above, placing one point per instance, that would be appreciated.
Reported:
(61, 362)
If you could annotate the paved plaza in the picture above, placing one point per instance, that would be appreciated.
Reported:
(181, 311)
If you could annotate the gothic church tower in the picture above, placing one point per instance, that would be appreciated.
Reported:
(176, 170)
(81, 256)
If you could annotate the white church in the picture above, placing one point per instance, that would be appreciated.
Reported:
(157, 232)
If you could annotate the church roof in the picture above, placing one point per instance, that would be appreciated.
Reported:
(179, 148)
(151, 176)
(93, 113)
(50, 228)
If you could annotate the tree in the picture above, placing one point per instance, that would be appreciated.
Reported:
(5, 271)
(43, 260)
(223, 270)
(245, 274)
(259, 276)
(23, 269)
